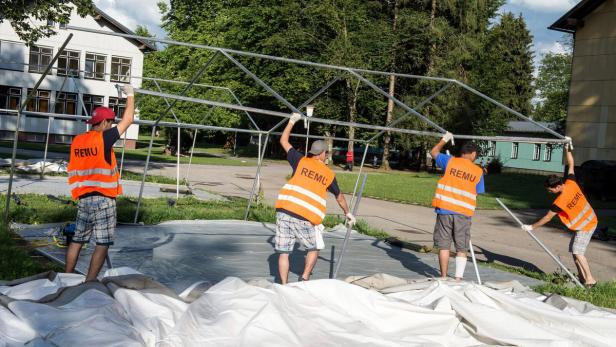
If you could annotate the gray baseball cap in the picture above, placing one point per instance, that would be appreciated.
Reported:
(318, 147)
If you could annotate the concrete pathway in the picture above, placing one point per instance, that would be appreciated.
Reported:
(496, 237)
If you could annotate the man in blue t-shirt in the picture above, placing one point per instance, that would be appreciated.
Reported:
(450, 225)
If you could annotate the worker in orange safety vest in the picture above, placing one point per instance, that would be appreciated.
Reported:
(454, 202)
(575, 212)
(301, 204)
(94, 180)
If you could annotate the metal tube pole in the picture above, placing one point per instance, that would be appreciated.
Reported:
(261, 83)
(308, 101)
(257, 55)
(259, 163)
(470, 244)
(160, 117)
(506, 108)
(361, 167)
(307, 134)
(18, 120)
(542, 245)
(396, 101)
(49, 121)
(192, 150)
(123, 150)
(146, 123)
(286, 115)
(177, 169)
(416, 108)
(349, 227)
(46, 147)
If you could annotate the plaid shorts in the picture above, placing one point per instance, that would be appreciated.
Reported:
(289, 228)
(98, 214)
(579, 241)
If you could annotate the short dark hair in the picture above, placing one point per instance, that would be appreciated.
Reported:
(552, 181)
(468, 147)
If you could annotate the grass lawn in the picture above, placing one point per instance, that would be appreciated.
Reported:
(517, 191)
(126, 175)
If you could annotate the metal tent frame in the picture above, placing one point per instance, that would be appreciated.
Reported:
(229, 54)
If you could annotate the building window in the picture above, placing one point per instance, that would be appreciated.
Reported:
(10, 97)
(65, 139)
(12, 56)
(537, 152)
(68, 64)
(51, 23)
(40, 57)
(95, 66)
(6, 135)
(63, 25)
(91, 102)
(40, 102)
(66, 103)
(514, 150)
(120, 69)
(35, 137)
(118, 105)
(548, 153)
(491, 148)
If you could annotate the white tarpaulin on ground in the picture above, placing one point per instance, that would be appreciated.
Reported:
(129, 309)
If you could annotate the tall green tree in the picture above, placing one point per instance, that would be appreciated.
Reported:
(21, 12)
(552, 86)
(503, 70)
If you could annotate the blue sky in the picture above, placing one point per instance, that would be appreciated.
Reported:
(539, 14)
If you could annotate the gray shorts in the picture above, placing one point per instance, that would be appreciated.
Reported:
(579, 242)
(452, 227)
(96, 214)
(289, 229)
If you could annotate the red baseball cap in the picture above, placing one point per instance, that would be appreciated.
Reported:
(100, 114)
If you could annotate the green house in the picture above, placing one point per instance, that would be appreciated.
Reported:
(536, 158)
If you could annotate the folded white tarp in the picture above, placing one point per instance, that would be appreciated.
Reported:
(129, 309)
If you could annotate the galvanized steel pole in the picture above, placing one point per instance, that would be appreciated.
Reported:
(349, 227)
(18, 120)
(542, 245)
(163, 114)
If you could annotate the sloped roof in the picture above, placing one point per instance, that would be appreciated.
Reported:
(571, 20)
(143, 44)
(528, 127)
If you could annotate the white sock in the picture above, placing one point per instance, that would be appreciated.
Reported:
(460, 265)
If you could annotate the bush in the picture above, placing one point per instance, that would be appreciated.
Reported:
(495, 166)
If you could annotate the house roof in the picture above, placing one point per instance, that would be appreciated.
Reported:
(528, 127)
(573, 19)
(143, 44)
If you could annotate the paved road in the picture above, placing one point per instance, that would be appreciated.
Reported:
(495, 235)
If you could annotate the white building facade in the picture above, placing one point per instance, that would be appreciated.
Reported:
(83, 77)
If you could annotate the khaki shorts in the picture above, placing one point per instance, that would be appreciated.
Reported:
(579, 241)
(452, 227)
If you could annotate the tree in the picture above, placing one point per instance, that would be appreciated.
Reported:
(553, 87)
(20, 13)
(503, 71)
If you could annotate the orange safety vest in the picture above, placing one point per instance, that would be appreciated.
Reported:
(88, 171)
(457, 189)
(576, 213)
(305, 193)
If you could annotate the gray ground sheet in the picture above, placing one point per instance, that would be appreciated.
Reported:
(179, 253)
